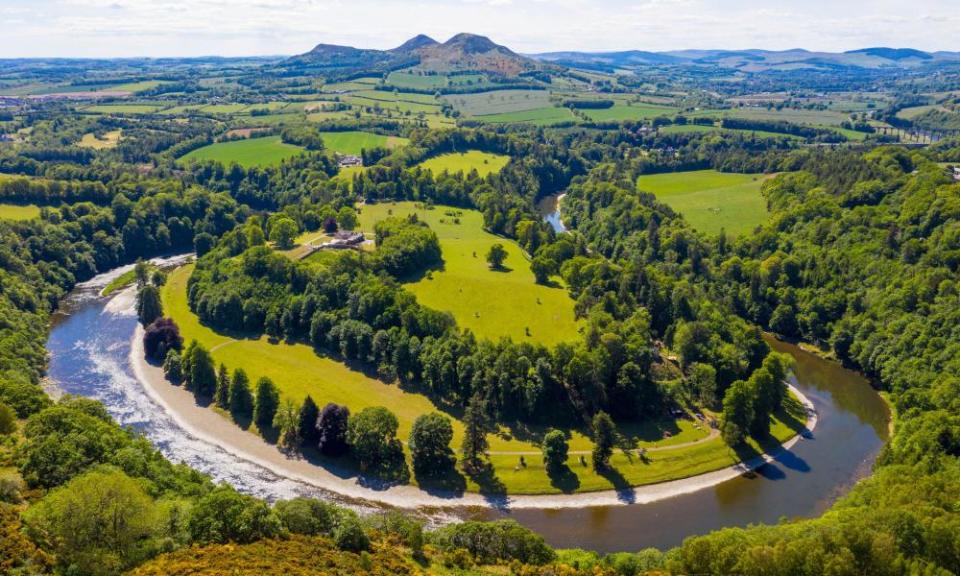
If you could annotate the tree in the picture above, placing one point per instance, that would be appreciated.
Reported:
(332, 430)
(604, 435)
(430, 443)
(222, 394)
(224, 515)
(372, 436)
(97, 523)
(307, 422)
(283, 231)
(241, 398)
(737, 413)
(287, 421)
(347, 218)
(203, 376)
(8, 419)
(542, 267)
(173, 368)
(267, 402)
(349, 535)
(203, 243)
(160, 337)
(496, 256)
(141, 272)
(474, 445)
(555, 449)
(703, 383)
(149, 307)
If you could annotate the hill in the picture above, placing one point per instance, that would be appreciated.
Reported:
(464, 52)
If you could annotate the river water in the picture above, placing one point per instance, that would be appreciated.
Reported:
(89, 349)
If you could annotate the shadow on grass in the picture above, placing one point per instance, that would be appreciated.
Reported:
(563, 479)
(493, 490)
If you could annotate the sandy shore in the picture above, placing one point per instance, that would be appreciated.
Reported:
(209, 426)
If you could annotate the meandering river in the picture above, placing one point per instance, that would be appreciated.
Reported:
(89, 349)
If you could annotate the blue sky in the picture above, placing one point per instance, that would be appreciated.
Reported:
(109, 28)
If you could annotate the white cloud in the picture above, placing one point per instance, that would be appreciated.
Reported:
(243, 27)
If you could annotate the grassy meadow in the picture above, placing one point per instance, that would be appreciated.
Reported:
(354, 142)
(266, 151)
(109, 140)
(537, 116)
(621, 112)
(492, 304)
(19, 211)
(483, 162)
(711, 200)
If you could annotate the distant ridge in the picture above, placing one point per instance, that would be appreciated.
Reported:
(893, 53)
(417, 42)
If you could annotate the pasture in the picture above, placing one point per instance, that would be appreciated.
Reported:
(266, 151)
(483, 162)
(537, 116)
(620, 112)
(492, 304)
(354, 142)
(499, 101)
(109, 140)
(711, 200)
(19, 211)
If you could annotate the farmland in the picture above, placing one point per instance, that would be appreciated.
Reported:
(537, 116)
(483, 162)
(354, 141)
(499, 101)
(711, 200)
(621, 112)
(108, 140)
(266, 151)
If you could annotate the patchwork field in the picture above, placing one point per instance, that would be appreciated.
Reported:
(267, 151)
(711, 200)
(483, 162)
(354, 142)
(18, 211)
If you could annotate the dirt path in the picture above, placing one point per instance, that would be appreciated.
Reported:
(208, 426)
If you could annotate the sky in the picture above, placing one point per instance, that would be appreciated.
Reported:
(157, 28)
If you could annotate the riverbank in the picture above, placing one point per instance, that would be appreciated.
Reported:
(209, 426)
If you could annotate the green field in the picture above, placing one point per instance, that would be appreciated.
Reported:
(499, 102)
(109, 140)
(417, 81)
(122, 109)
(483, 162)
(354, 142)
(491, 303)
(267, 151)
(621, 112)
(18, 211)
(538, 116)
(711, 200)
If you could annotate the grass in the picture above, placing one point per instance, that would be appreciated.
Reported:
(499, 101)
(711, 200)
(493, 304)
(688, 128)
(620, 112)
(537, 116)
(109, 140)
(354, 142)
(417, 81)
(483, 162)
(19, 211)
(267, 151)
(122, 109)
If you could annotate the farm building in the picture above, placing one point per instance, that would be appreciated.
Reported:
(349, 161)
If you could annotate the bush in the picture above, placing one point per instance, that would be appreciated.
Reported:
(307, 516)
(224, 516)
(8, 419)
(493, 542)
(349, 535)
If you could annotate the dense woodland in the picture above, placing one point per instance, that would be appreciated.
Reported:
(860, 256)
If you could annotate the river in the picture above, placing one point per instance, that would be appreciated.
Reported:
(89, 349)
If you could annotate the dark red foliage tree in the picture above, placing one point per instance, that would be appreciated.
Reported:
(332, 428)
(161, 336)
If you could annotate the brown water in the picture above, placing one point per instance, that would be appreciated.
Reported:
(803, 482)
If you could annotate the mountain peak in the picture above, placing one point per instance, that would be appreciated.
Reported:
(473, 43)
(417, 42)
